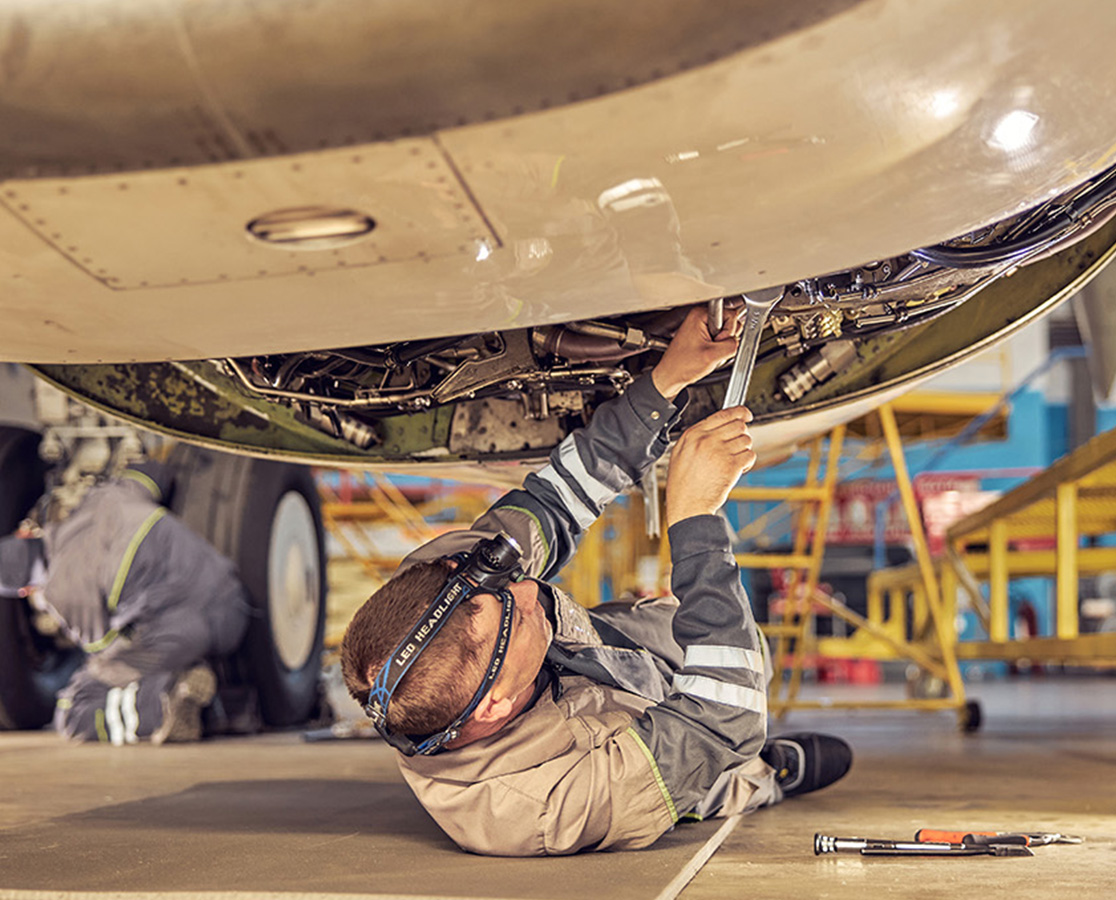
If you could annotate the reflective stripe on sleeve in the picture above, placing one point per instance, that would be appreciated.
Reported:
(582, 514)
(721, 692)
(599, 492)
(720, 656)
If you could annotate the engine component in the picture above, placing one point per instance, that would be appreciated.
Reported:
(346, 427)
(494, 425)
(819, 366)
(555, 371)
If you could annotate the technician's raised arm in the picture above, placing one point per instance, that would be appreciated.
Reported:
(716, 716)
(555, 507)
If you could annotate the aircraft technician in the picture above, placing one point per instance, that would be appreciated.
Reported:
(528, 725)
(144, 596)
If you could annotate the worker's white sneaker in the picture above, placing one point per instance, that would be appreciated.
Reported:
(806, 761)
(182, 706)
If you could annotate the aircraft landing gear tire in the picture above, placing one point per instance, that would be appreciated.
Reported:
(266, 517)
(33, 667)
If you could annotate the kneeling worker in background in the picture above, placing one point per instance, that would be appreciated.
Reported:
(146, 598)
(528, 725)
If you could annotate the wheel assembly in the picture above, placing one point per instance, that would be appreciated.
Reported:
(264, 516)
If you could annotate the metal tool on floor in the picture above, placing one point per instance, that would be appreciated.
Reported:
(824, 844)
(1028, 838)
(757, 306)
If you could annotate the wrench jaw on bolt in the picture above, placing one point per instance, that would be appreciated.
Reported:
(757, 306)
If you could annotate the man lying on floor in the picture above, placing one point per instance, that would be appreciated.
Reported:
(529, 726)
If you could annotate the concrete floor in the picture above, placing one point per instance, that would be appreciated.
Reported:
(274, 815)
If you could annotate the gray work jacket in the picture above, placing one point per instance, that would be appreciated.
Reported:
(614, 760)
(120, 559)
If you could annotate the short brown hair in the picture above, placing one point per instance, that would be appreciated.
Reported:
(442, 681)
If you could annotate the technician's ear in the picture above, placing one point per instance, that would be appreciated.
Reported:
(491, 710)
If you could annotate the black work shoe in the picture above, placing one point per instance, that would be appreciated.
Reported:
(807, 761)
(183, 704)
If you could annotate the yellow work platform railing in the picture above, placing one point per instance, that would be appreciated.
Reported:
(876, 637)
(1074, 498)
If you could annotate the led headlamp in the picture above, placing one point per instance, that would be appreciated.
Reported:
(491, 565)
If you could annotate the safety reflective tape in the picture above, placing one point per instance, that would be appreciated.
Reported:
(98, 646)
(146, 480)
(582, 514)
(113, 718)
(556, 170)
(99, 724)
(721, 692)
(130, 714)
(671, 808)
(597, 491)
(130, 555)
(721, 656)
(539, 528)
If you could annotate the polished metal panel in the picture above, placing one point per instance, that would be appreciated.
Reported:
(112, 85)
(771, 146)
(175, 228)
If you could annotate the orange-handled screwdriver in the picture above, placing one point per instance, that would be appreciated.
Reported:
(1026, 838)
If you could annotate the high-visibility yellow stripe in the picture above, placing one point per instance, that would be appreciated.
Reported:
(130, 555)
(538, 525)
(658, 775)
(556, 170)
(146, 480)
(99, 721)
(97, 646)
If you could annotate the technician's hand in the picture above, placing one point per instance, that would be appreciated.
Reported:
(694, 353)
(707, 462)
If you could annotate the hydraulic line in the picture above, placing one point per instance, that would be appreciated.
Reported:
(1078, 215)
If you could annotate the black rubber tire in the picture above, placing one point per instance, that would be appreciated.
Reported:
(32, 667)
(971, 717)
(233, 502)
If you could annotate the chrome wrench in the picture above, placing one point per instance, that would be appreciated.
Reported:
(757, 306)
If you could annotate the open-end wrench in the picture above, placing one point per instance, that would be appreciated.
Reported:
(824, 844)
(757, 306)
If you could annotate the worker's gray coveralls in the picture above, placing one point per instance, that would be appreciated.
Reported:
(629, 741)
(145, 596)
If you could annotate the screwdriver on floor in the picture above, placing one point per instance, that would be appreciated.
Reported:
(1032, 838)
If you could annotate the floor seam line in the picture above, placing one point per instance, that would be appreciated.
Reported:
(699, 859)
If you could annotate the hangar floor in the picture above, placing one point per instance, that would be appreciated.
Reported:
(269, 815)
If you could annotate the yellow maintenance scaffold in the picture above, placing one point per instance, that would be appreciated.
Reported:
(932, 651)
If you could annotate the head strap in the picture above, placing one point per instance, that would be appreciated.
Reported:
(486, 569)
